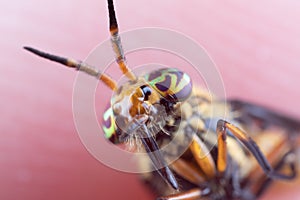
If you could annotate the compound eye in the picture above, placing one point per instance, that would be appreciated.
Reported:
(171, 83)
(146, 91)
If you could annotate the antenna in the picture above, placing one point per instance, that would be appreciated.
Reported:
(78, 65)
(116, 42)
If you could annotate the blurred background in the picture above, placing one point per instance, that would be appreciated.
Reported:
(255, 45)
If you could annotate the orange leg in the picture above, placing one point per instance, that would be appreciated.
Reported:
(222, 150)
(192, 194)
(191, 173)
(203, 157)
(252, 147)
(188, 171)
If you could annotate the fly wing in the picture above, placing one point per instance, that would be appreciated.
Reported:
(263, 116)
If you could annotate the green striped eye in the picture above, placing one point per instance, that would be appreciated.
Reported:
(109, 126)
(172, 84)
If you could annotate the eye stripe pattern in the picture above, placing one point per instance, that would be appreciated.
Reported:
(109, 126)
(172, 84)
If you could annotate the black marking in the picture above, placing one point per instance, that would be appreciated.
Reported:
(48, 56)
(169, 105)
(164, 86)
(112, 15)
(282, 163)
(146, 91)
(158, 161)
(154, 75)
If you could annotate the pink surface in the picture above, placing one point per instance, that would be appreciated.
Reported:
(255, 45)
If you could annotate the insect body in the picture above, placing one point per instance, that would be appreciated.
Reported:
(163, 106)
(243, 171)
(145, 107)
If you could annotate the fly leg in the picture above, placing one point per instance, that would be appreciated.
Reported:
(191, 173)
(265, 117)
(289, 159)
(250, 144)
(193, 194)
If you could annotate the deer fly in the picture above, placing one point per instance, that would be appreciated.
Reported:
(240, 158)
